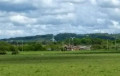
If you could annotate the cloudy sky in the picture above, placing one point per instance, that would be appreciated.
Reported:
(37, 17)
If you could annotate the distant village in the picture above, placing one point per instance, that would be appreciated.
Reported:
(77, 47)
(74, 47)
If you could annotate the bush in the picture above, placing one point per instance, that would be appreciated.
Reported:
(3, 52)
(14, 50)
(97, 46)
(34, 47)
(3, 48)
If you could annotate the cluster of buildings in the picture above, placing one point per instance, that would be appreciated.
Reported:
(73, 47)
(77, 47)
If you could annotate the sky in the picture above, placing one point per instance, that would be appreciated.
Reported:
(37, 17)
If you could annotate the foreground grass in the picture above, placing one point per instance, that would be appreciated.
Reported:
(60, 64)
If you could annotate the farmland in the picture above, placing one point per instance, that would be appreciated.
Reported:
(58, 63)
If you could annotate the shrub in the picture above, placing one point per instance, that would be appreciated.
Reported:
(97, 46)
(3, 52)
(14, 50)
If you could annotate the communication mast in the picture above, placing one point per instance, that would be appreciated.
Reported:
(53, 39)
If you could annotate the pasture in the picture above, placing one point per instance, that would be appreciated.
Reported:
(56, 63)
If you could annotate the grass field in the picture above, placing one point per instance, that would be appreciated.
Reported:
(60, 64)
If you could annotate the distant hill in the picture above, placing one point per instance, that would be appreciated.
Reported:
(40, 38)
(63, 36)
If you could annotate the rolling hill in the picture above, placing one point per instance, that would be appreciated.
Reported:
(63, 36)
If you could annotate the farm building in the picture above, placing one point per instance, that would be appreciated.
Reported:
(78, 47)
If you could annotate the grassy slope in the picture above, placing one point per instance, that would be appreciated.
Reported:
(60, 64)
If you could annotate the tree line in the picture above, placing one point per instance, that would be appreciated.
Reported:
(96, 43)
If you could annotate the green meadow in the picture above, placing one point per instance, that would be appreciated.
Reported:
(57, 63)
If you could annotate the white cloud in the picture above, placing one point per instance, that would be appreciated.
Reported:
(32, 17)
(22, 19)
(109, 3)
(100, 21)
(48, 2)
(94, 2)
(116, 24)
(11, 33)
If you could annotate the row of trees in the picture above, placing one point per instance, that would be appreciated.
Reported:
(96, 43)
(4, 47)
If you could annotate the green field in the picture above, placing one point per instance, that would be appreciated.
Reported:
(60, 64)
